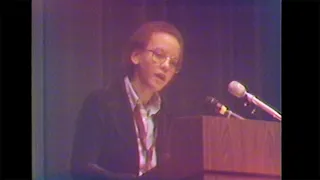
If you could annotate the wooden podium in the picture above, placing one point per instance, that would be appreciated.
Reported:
(216, 148)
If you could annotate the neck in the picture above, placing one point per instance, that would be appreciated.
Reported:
(144, 93)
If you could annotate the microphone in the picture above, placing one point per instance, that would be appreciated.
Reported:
(238, 90)
(221, 109)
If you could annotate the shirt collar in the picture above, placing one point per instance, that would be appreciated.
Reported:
(153, 105)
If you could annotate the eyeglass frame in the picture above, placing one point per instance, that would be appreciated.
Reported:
(164, 58)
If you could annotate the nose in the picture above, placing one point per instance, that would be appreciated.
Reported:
(166, 65)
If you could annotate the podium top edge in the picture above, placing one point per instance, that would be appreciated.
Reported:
(223, 118)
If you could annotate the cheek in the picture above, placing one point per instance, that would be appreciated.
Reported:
(146, 69)
(170, 77)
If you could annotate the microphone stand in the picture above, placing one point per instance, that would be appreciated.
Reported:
(263, 106)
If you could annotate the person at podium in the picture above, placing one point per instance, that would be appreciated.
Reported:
(122, 129)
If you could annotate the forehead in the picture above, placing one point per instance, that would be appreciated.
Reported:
(165, 42)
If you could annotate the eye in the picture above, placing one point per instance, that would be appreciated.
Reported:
(174, 63)
(159, 55)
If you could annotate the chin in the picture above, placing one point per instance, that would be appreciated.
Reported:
(156, 87)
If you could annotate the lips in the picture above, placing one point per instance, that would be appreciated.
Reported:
(161, 76)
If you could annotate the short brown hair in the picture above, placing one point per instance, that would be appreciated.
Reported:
(141, 37)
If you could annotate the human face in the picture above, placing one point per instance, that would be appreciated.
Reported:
(151, 73)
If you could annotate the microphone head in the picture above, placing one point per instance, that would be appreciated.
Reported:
(237, 89)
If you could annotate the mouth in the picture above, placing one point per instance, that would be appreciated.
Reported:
(161, 76)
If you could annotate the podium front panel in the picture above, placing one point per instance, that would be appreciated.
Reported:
(206, 143)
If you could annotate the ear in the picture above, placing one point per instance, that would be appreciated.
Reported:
(135, 57)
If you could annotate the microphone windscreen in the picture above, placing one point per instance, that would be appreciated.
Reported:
(237, 89)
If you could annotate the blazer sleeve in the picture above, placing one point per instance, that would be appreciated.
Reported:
(87, 140)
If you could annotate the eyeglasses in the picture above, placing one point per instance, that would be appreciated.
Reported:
(159, 58)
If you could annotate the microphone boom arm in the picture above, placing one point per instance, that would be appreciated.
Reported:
(230, 113)
(256, 101)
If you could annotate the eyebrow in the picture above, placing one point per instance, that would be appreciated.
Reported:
(163, 52)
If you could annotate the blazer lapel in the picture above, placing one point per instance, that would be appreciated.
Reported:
(122, 115)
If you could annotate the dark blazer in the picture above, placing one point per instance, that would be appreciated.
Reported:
(105, 141)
